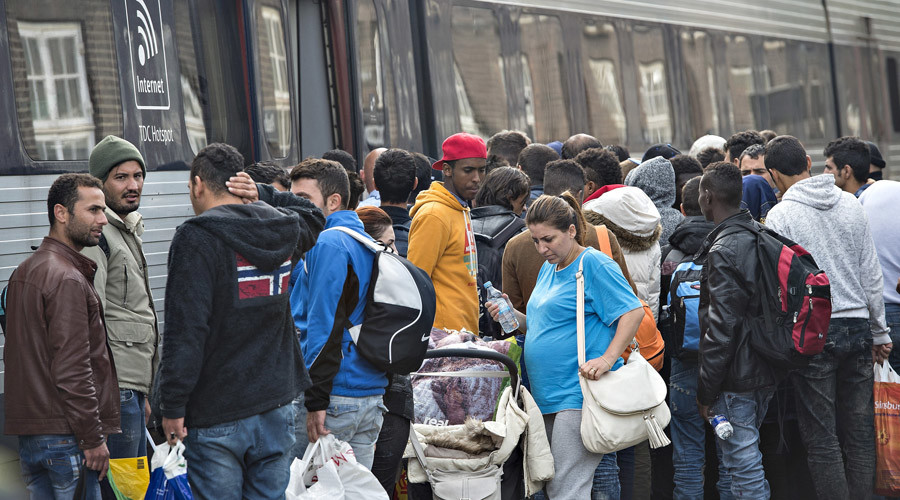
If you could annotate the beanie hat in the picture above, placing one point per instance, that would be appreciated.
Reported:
(109, 153)
(875, 155)
(665, 150)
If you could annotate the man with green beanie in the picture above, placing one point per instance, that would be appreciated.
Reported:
(122, 282)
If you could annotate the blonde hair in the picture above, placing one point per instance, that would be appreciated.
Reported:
(558, 212)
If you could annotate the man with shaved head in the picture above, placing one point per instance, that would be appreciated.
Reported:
(578, 143)
(367, 174)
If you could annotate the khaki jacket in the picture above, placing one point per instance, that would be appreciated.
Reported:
(123, 284)
(60, 378)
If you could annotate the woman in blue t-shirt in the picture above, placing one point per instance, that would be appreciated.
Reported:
(612, 314)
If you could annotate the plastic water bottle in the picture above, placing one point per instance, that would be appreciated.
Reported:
(506, 316)
(722, 427)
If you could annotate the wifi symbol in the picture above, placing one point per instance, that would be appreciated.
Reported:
(148, 47)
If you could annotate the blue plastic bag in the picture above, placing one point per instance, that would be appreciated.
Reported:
(168, 474)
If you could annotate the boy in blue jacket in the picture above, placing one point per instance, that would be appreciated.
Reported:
(346, 396)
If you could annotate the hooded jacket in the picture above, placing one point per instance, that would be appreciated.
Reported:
(633, 218)
(832, 226)
(656, 178)
(442, 243)
(330, 294)
(730, 312)
(123, 285)
(758, 197)
(230, 351)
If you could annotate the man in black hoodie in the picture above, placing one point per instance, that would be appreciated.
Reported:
(231, 363)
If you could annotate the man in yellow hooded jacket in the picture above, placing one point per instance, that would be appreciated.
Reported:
(441, 240)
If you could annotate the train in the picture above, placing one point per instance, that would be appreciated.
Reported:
(285, 79)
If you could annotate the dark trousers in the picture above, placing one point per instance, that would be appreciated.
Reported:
(835, 408)
(389, 451)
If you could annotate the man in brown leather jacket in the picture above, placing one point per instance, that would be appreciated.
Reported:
(62, 399)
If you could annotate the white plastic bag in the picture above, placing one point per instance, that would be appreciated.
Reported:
(313, 477)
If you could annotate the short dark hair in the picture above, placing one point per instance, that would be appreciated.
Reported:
(621, 152)
(786, 155)
(686, 168)
(723, 179)
(394, 175)
(215, 164)
(850, 151)
(563, 175)
(578, 143)
(710, 155)
(64, 191)
(737, 143)
(344, 158)
(330, 175)
(768, 135)
(754, 151)
(502, 185)
(534, 159)
(268, 173)
(690, 197)
(507, 144)
(600, 166)
(423, 174)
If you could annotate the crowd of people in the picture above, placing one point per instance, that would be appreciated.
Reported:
(256, 358)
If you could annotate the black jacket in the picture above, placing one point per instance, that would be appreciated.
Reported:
(230, 350)
(401, 222)
(730, 312)
(493, 226)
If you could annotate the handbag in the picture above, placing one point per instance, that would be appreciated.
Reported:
(623, 407)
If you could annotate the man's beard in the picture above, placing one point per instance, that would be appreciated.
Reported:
(80, 234)
(122, 207)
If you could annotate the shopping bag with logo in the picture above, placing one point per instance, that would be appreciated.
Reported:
(168, 474)
(887, 430)
(355, 481)
(128, 477)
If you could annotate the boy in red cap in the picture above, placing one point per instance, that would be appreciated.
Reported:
(441, 240)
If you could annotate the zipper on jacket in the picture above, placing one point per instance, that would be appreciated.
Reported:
(125, 295)
(806, 322)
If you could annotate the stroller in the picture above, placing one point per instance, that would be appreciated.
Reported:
(504, 459)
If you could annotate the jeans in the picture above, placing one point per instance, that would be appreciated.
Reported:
(356, 421)
(389, 451)
(245, 459)
(835, 409)
(51, 465)
(892, 316)
(606, 479)
(132, 442)
(740, 452)
(689, 436)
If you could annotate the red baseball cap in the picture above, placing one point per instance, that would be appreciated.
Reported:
(459, 146)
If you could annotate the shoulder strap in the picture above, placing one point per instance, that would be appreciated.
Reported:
(579, 278)
(104, 245)
(603, 237)
(367, 242)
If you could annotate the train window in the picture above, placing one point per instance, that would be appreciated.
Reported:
(478, 71)
(650, 57)
(600, 59)
(782, 94)
(191, 91)
(274, 81)
(894, 92)
(740, 82)
(66, 96)
(817, 92)
(852, 91)
(370, 74)
(545, 77)
(700, 71)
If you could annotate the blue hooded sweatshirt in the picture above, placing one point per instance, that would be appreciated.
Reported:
(758, 197)
(337, 263)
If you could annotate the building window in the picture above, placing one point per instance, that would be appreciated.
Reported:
(61, 110)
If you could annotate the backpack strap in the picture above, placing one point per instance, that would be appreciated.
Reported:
(603, 238)
(104, 245)
(368, 242)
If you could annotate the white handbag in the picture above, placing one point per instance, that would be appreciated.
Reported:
(623, 407)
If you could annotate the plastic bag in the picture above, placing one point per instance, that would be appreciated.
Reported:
(128, 478)
(353, 479)
(887, 430)
(168, 474)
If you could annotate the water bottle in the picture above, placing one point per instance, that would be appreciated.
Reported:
(506, 316)
(722, 426)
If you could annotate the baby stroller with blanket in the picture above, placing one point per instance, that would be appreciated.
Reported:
(501, 459)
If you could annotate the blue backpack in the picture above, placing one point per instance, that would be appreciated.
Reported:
(684, 301)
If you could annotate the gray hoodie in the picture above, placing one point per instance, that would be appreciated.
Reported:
(832, 226)
(656, 178)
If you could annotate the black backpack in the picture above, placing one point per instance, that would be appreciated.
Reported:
(796, 300)
(399, 311)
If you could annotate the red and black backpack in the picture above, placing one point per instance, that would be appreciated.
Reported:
(796, 303)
